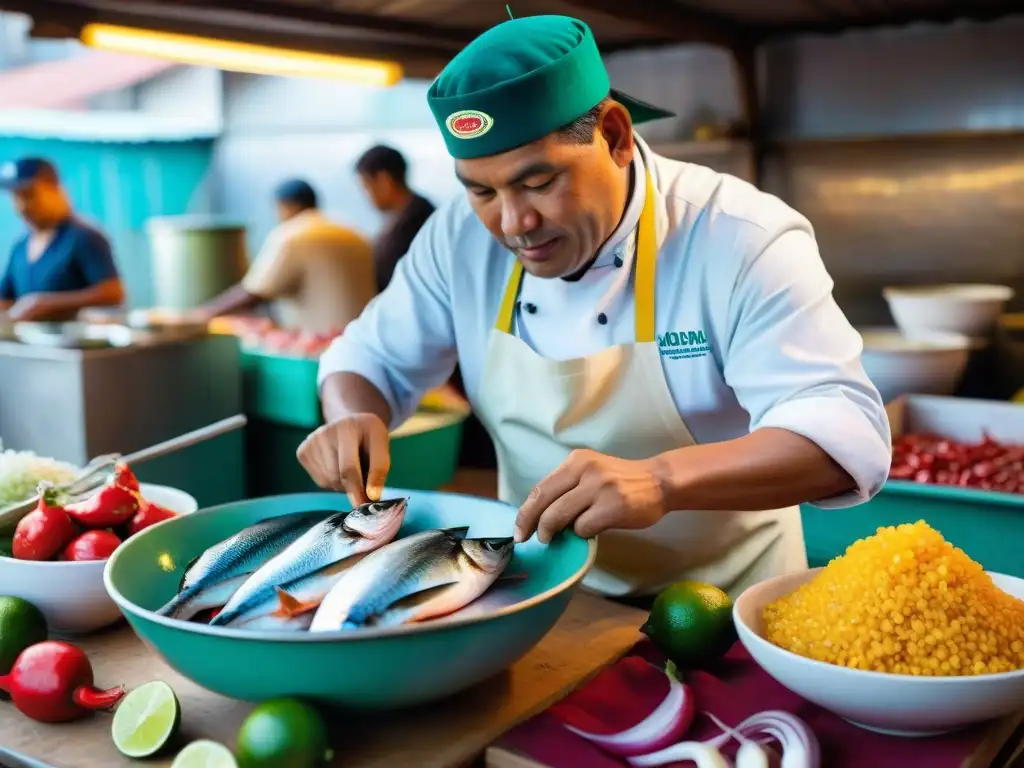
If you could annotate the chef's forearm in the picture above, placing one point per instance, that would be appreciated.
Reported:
(767, 469)
(346, 394)
(109, 293)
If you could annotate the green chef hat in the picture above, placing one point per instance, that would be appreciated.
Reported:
(520, 81)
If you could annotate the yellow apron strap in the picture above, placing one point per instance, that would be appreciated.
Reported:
(643, 292)
(508, 302)
(646, 261)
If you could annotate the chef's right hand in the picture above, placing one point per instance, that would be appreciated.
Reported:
(335, 453)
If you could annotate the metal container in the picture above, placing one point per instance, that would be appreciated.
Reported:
(194, 258)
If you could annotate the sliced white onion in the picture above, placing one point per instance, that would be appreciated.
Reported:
(800, 748)
(750, 755)
(665, 725)
(704, 755)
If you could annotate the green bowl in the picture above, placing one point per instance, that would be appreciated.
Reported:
(370, 669)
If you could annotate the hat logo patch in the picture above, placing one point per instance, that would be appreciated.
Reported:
(469, 123)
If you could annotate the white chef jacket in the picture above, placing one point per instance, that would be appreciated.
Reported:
(749, 333)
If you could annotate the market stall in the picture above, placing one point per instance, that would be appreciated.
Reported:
(285, 628)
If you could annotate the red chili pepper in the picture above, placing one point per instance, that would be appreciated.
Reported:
(52, 682)
(92, 545)
(149, 514)
(42, 532)
(110, 506)
(125, 477)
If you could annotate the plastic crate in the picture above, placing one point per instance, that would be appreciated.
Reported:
(988, 526)
(281, 389)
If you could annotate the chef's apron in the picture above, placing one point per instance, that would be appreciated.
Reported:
(617, 402)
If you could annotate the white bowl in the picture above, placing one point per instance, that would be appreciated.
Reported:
(968, 308)
(901, 705)
(930, 363)
(71, 595)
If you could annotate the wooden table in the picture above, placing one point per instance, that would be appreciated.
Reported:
(592, 633)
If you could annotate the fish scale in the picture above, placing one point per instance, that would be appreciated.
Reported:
(427, 575)
(328, 542)
(207, 577)
(432, 568)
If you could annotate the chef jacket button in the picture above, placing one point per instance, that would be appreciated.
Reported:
(531, 308)
(618, 261)
(602, 318)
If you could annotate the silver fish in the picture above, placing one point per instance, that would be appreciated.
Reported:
(426, 575)
(363, 529)
(211, 579)
(291, 606)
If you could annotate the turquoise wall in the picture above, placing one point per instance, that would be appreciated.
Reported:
(119, 186)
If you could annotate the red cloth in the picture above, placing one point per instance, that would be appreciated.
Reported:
(737, 689)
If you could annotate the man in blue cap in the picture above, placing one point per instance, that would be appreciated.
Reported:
(316, 274)
(62, 264)
(653, 346)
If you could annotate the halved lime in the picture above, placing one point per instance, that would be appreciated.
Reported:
(205, 754)
(146, 720)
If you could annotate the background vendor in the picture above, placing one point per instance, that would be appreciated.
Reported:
(62, 264)
(317, 274)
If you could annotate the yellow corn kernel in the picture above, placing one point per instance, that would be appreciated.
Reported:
(902, 601)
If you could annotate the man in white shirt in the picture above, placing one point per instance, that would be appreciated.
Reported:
(317, 274)
(653, 346)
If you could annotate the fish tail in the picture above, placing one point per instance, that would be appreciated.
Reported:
(289, 607)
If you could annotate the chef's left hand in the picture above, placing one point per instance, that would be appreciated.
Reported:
(592, 492)
(33, 306)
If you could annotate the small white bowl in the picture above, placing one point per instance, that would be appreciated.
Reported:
(900, 705)
(930, 363)
(71, 595)
(968, 308)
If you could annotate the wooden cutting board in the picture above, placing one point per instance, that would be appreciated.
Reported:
(592, 633)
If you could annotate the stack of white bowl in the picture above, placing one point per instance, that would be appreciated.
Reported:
(937, 326)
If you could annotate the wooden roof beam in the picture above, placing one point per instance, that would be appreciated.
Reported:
(388, 26)
(57, 18)
(681, 24)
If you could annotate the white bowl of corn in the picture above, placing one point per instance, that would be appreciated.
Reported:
(903, 634)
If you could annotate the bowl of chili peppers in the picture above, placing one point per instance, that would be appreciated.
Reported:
(55, 558)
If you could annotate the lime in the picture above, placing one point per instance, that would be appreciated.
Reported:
(21, 625)
(282, 733)
(146, 720)
(205, 754)
(691, 622)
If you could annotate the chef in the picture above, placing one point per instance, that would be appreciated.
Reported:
(653, 346)
(62, 264)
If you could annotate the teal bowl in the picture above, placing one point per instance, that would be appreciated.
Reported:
(380, 668)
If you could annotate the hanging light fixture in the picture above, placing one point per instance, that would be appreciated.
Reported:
(239, 57)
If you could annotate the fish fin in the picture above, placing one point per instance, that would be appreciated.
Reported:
(289, 607)
(184, 572)
(404, 610)
(514, 576)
